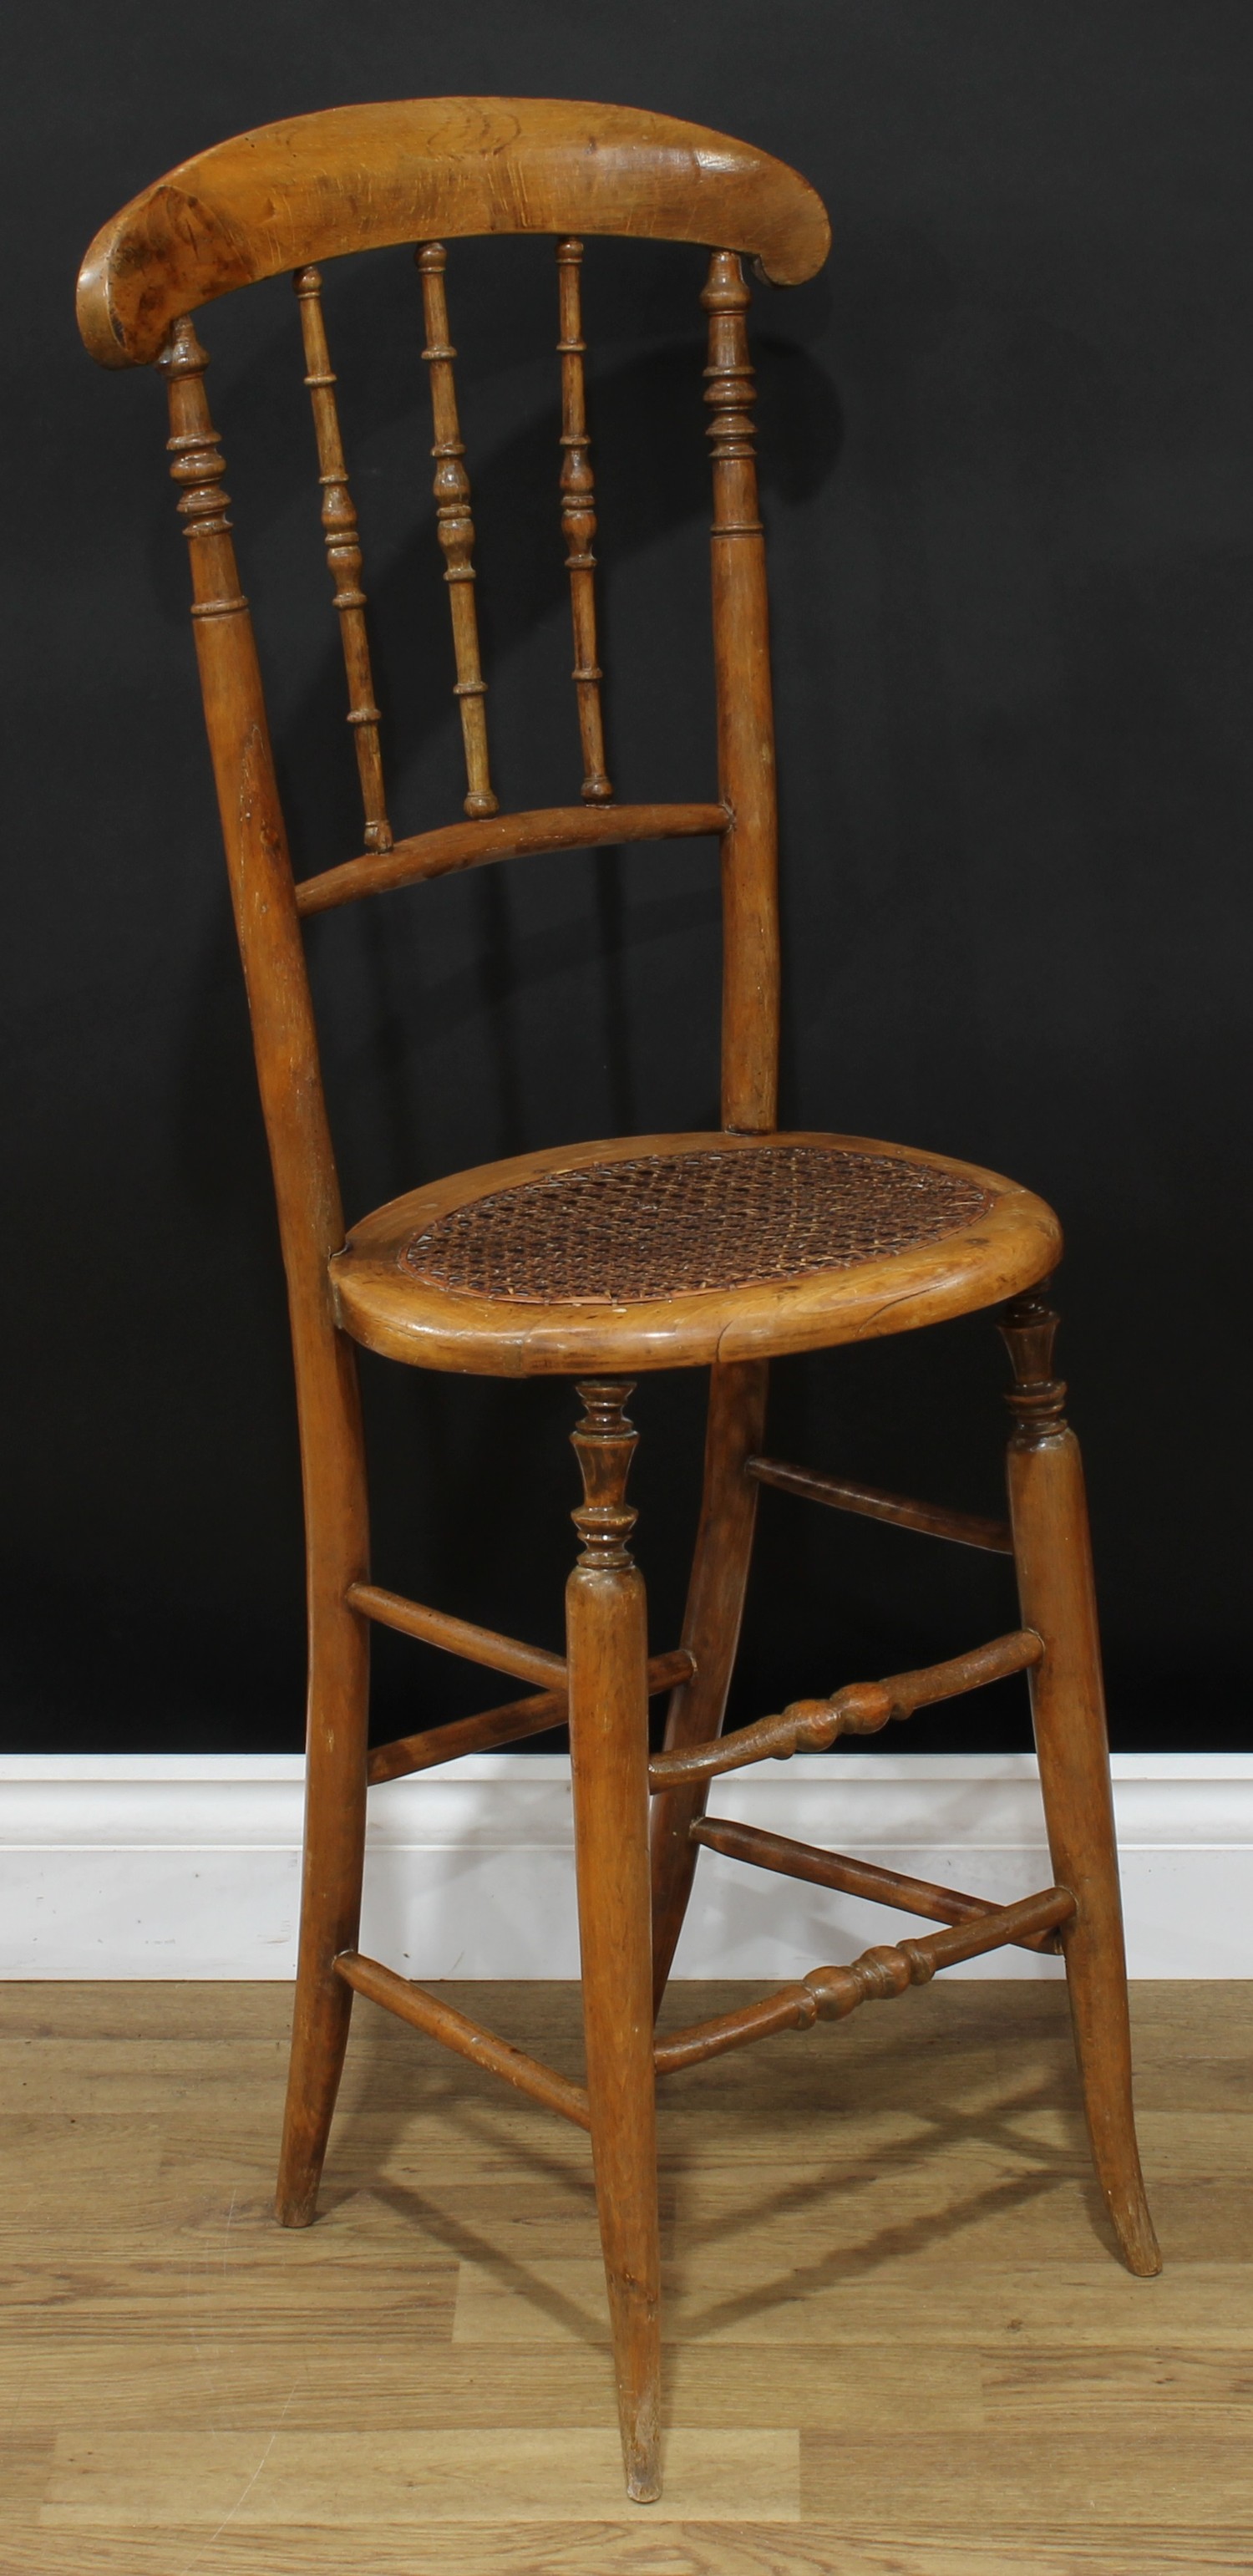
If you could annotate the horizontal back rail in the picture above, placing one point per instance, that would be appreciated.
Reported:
(454, 846)
(413, 170)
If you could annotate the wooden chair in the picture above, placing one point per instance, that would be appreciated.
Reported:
(598, 1261)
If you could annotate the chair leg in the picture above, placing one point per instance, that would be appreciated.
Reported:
(711, 1630)
(335, 1793)
(606, 1643)
(1053, 1557)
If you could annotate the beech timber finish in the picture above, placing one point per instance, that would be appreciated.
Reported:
(599, 1261)
(422, 169)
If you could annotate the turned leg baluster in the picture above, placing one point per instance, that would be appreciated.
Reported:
(608, 1650)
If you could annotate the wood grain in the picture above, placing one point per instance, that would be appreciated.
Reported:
(335, 2481)
(852, 2241)
(410, 170)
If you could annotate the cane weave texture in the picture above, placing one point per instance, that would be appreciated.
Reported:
(664, 1225)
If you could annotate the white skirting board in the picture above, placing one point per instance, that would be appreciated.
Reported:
(133, 1865)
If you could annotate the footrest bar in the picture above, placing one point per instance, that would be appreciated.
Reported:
(458, 1636)
(966, 1529)
(852, 1877)
(507, 1724)
(830, 1994)
(455, 2030)
(812, 1725)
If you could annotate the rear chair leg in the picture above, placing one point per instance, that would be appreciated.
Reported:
(607, 1647)
(335, 1789)
(711, 1632)
(1053, 1557)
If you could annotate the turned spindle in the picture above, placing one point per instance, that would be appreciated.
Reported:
(455, 528)
(578, 521)
(343, 556)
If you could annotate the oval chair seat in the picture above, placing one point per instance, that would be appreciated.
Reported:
(667, 1251)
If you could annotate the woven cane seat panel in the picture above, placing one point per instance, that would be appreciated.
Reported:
(664, 1225)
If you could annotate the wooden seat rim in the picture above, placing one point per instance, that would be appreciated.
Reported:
(1015, 1244)
(311, 188)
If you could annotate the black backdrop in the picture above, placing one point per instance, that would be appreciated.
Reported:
(1007, 477)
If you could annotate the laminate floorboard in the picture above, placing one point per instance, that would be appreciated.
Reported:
(898, 2340)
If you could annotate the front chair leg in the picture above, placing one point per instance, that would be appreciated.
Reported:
(1053, 1557)
(607, 1647)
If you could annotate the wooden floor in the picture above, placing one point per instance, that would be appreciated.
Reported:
(898, 2344)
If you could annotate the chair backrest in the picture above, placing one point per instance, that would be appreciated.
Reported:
(426, 171)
